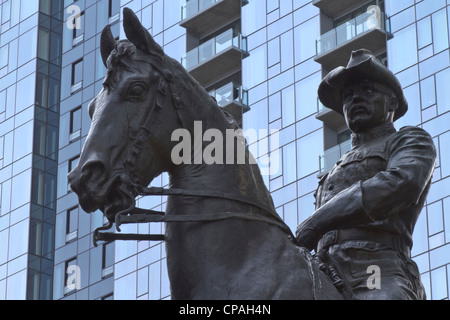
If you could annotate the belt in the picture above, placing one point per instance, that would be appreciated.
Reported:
(395, 242)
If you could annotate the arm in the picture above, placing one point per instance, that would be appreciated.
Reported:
(411, 160)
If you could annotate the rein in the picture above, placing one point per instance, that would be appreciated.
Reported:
(138, 215)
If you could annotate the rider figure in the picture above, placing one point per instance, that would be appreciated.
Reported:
(368, 204)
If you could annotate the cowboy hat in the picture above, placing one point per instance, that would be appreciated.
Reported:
(362, 65)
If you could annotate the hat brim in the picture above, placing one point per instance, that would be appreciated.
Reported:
(330, 89)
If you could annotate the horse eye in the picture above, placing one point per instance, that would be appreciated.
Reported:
(137, 90)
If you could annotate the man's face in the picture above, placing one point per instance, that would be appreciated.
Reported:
(367, 104)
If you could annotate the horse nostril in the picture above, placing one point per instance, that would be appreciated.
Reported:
(94, 171)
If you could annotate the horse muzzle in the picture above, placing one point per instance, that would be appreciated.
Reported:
(90, 184)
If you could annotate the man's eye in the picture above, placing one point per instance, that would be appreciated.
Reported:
(347, 95)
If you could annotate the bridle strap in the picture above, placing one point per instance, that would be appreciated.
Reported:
(138, 215)
(147, 216)
(155, 191)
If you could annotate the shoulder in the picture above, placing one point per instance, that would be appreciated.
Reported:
(411, 136)
(413, 130)
(410, 132)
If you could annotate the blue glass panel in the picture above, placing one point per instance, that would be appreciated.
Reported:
(125, 287)
(402, 49)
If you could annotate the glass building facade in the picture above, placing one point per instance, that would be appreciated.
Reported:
(51, 68)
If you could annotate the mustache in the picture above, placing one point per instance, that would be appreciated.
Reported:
(358, 108)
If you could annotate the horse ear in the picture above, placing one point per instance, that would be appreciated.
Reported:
(107, 43)
(139, 36)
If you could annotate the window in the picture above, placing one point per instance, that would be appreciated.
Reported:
(113, 11)
(107, 259)
(75, 124)
(72, 164)
(77, 75)
(78, 31)
(72, 224)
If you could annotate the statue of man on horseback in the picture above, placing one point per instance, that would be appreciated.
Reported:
(223, 237)
(367, 205)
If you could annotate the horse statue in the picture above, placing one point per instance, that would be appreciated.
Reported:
(223, 237)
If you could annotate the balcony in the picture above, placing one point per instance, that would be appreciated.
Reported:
(333, 119)
(216, 58)
(233, 99)
(368, 30)
(202, 17)
(333, 8)
(332, 155)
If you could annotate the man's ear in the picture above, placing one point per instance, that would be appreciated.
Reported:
(393, 104)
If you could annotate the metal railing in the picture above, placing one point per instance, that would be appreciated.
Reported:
(350, 29)
(332, 155)
(225, 40)
(229, 93)
(192, 7)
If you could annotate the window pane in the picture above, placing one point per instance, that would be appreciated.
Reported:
(72, 220)
(75, 120)
(18, 239)
(77, 72)
(404, 41)
(108, 254)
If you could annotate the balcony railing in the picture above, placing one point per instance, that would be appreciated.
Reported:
(328, 116)
(349, 30)
(229, 93)
(332, 155)
(192, 7)
(228, 39)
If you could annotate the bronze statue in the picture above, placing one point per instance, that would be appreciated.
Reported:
(368, 204)
(223, 238)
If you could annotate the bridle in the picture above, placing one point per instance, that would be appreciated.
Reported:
(132, 189)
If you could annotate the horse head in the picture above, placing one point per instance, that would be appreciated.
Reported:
(133, 117)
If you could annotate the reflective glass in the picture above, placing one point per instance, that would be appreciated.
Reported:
(18, 239)
(440, 32)
(125, 287)
(27, 46)
(254, 68)
(289, 163)
(308, 150)
(21, 182)
(394, 6)
(305, 36)
(23, 140)
(16, 286)
(288, 106)
(427, 92)
(27, 8)
(424, 36)
(306, 103)
(25, 92)
(412, 117)
(273, 51)
(255, 16)
(404, 42)
(4, 236)
(443, 94)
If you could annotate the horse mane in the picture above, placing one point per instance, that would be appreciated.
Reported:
(123, 53)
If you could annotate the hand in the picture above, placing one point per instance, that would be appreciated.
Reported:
(306, 236)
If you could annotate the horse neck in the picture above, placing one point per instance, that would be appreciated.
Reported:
(243, 180)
